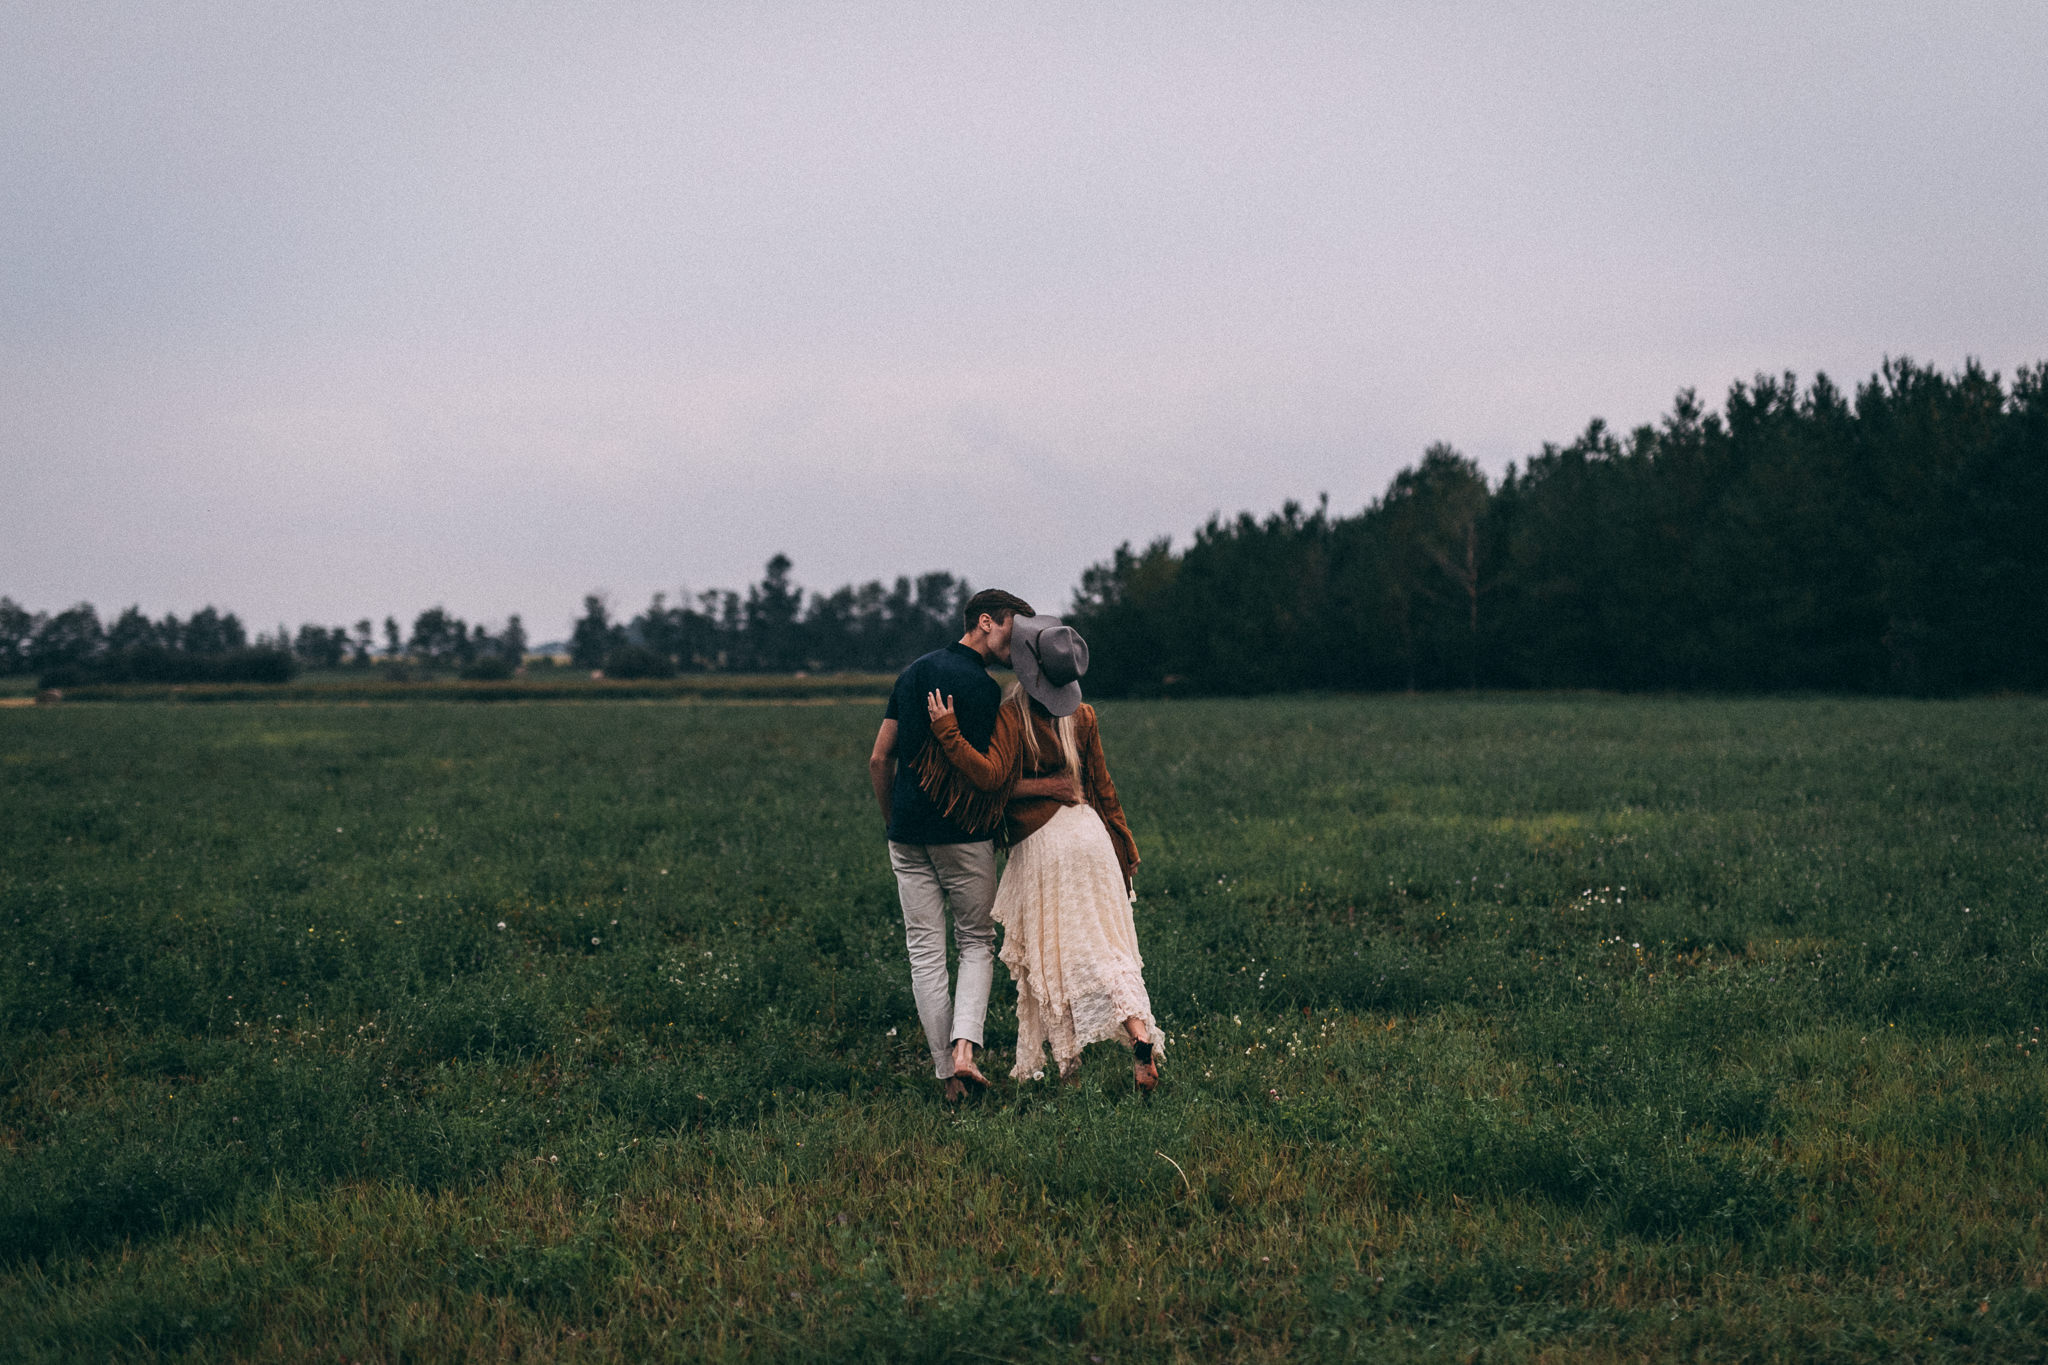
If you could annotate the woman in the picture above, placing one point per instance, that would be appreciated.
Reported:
(1065, 897)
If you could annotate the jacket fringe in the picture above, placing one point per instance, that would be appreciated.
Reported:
(966, 805)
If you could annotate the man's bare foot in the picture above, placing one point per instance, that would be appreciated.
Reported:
(963, 1064)
(953, 1090)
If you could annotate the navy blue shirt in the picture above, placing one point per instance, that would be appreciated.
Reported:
(955, 671)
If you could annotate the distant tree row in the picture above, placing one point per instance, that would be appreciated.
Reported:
(72, 646)
(774, 628)
(441, 641)
(1895, 539)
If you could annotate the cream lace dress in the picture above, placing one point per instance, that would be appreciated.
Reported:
(1064, 904)
(1070, 943)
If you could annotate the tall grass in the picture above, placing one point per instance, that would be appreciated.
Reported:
(1544, 1027)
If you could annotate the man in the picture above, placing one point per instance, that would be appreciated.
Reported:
(942, 850)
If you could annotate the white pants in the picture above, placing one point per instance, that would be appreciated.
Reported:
(929, 878)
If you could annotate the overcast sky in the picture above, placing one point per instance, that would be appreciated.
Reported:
(317, 311)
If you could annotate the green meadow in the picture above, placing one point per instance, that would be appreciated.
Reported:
(1502, 1028)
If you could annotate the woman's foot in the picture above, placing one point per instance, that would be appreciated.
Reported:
(1144, 1067)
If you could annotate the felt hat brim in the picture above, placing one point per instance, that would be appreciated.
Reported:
(1043, 648)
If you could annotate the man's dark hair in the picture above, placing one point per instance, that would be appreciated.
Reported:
(997, 603)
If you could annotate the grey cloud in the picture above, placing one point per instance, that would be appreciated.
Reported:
(322, 310)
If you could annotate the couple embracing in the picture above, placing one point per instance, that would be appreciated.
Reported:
(962, 765)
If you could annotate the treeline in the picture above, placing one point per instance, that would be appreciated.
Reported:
(1893, 540)
(775, 628)
(1890, 540)
(72, 647)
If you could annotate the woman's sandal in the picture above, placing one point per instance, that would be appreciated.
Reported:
(1141, 1059)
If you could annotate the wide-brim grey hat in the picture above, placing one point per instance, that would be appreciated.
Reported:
(1049, 658)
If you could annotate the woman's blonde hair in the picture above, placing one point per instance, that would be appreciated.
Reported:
(1070, 748)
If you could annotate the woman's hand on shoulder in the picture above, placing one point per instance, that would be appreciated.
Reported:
(937, 704)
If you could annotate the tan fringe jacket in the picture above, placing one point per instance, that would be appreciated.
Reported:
(993, 775)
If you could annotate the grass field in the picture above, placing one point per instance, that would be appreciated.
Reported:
(1502, 1028)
